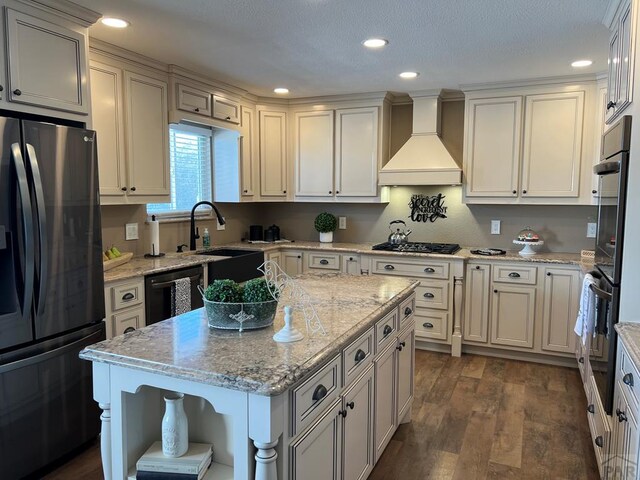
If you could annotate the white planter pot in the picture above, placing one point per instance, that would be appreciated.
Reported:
(326, 237)
(175, 428)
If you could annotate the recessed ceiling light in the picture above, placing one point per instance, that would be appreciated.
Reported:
(408, 74)
(281, 90)
(581, 63)
(375, 42)
(114, 22)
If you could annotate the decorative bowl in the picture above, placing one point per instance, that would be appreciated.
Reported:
(240, 316)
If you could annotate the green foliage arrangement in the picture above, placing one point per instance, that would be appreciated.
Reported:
(257, 290)
(224, 291)
(326, 222)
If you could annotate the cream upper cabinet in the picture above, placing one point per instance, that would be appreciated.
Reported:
(193, 100)
(313, 150)
(513, 311)
(46, 64)
(273, 153)
(621, 55)
(356, 152)
(147, 143)
(476, 313)
(552, 144)
(108, 121)
(561, 292)
(226, 109)
(492, 146)
(248, 151)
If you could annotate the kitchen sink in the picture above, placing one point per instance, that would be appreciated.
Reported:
(236, 264)
(228, 252)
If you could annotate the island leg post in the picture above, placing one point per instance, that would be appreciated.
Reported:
(456, 338)
(105, 440)
(266, 425)
(266, 457)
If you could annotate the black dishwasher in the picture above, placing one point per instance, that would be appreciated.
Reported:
(159, 288)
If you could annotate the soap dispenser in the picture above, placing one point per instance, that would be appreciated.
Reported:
(206, 238)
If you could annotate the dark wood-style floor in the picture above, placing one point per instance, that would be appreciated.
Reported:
(473, 418)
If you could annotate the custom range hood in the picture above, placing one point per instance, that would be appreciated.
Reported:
(423, 160)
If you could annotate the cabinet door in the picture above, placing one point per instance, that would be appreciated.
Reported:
(147, 135)
(599, 129)
(552, 150)
(406, 348)
(225, 109)
(492, 147)
(513, 315)
(351, 264)
(292, 263)
(476, 312)
(356, 155)
(106, 108)
(127, 321)
(46, 64)
(624, 438)
(357, 430)
(247, 150)
(613, 78)
(316, 454)
(386, 413)
(313, 146)
(273, 154)
(561, 298)
(625, 78)
(275, 257)
(193, 100)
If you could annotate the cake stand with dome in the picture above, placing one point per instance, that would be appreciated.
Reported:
(529, 239)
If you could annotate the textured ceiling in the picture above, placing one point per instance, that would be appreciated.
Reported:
(313, 47)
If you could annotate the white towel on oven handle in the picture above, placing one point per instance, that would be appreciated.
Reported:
(585, 322)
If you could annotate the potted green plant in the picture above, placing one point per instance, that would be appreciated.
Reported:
(326, 223)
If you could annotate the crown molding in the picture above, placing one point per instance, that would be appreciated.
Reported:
(118, 53)
(612, 12)
(177, 70)
(590, 77)
(72, 11)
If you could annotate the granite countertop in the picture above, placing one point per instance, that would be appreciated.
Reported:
(185, 347)
(140, 266)
(630, 335)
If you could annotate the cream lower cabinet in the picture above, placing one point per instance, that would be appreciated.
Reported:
(351, 264)
(124, 306)
(386, 418)
(623, 463)
(476, 305)
(291, 262)
(513, 310)
(561, 291)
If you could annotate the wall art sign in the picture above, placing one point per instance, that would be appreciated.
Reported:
(427, 209)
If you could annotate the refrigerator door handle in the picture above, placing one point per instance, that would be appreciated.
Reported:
(42, 227)
(27, 217)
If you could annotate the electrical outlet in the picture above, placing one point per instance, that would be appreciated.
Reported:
(131, 231)
(220, 227)
(592, 228)
(342, 223)
(495, 227)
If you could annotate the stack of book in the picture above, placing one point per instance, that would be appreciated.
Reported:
(193, 465)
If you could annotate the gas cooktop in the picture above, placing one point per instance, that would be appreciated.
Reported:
(419, 247)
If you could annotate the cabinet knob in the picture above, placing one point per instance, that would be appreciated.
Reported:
(399, 348)
(599, 441)
(514, 192)
(495, 291)
(611, 105)
(628, 379)
(591, 408)
(343, 413)
(124, 189)
(407, 311)
(351, 259)
(477, 267)
(330, 192)
(548, 274)
(581, 360)
(129, 330)
(284, 191)
(351, 405)
(1, 88)
(228, 118)
(337, 191)
(594, 191)
(524, 192)
(622, 417)
(299, 256)
(197, 109)
(133, 189)
(319, 393)
(17, 92)
(246, 191)
(360, 355)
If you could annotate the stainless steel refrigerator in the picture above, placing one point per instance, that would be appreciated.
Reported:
(51, 292)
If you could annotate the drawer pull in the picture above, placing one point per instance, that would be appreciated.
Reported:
(622, 417)
(407, 311)
(427, 325)
(128, 296)
(319, 393)
(514, 275)
(599, 442)
(401, 346)
(351, 405)
(591, 408)
(129, 330)
(387, 330)
(324, 261)
(628, 379)
(429, 270)
(389, 267)
(429, 295)
(581, 360)
(360, 355)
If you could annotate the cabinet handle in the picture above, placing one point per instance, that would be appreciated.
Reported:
(128, 296)
(429, 295)
(599, 442)
(514, 275)
(133, 189)
(407, 311)
(427, 325)
(343, 413)
(351, 405)
(515, 192)
(591, 408)
(387, 330)
(324, 261)
(197, 109)
(360, 355)
(628, 379)
(17, 92)
(581, 360)
(129, 330)
(228, 118)
(594, 191)
(319, 393)
(389, 267)
(477, 267)
(429, 270)
(611, 105)
(124, 189)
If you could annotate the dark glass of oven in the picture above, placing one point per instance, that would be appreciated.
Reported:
(608, 235)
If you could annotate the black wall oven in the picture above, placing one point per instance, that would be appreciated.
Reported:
(612, 192)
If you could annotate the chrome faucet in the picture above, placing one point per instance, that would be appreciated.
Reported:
(194, 233)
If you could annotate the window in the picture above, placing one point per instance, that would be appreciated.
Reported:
(191, 174)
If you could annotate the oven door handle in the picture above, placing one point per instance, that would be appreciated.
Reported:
(172, 282)
(600, 293)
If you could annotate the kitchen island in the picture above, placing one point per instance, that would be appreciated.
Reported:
(270, 409)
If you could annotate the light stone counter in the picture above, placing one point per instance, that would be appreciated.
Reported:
(629, 333)
(185, 347)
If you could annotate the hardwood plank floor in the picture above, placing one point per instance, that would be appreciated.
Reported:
(475, 418)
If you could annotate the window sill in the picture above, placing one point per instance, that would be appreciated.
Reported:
(180, 219)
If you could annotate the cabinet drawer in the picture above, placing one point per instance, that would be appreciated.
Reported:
(406, 311)
(126, 295)
(432, 324)
(310, 398)
(411, 267)
(193, 100)
(225, 109)
(433, 294)
(326, 261)
(386, 328)
(127, 321)
(629, 377)
(598, 426)
(357, 356)
(515, 274)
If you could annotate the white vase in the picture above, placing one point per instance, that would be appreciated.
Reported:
(175, 428)
(326, 237)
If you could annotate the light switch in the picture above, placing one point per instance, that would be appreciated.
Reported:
(131, 231)
(220, 227)
(495, 227)
(592, 228)
(342, 223)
